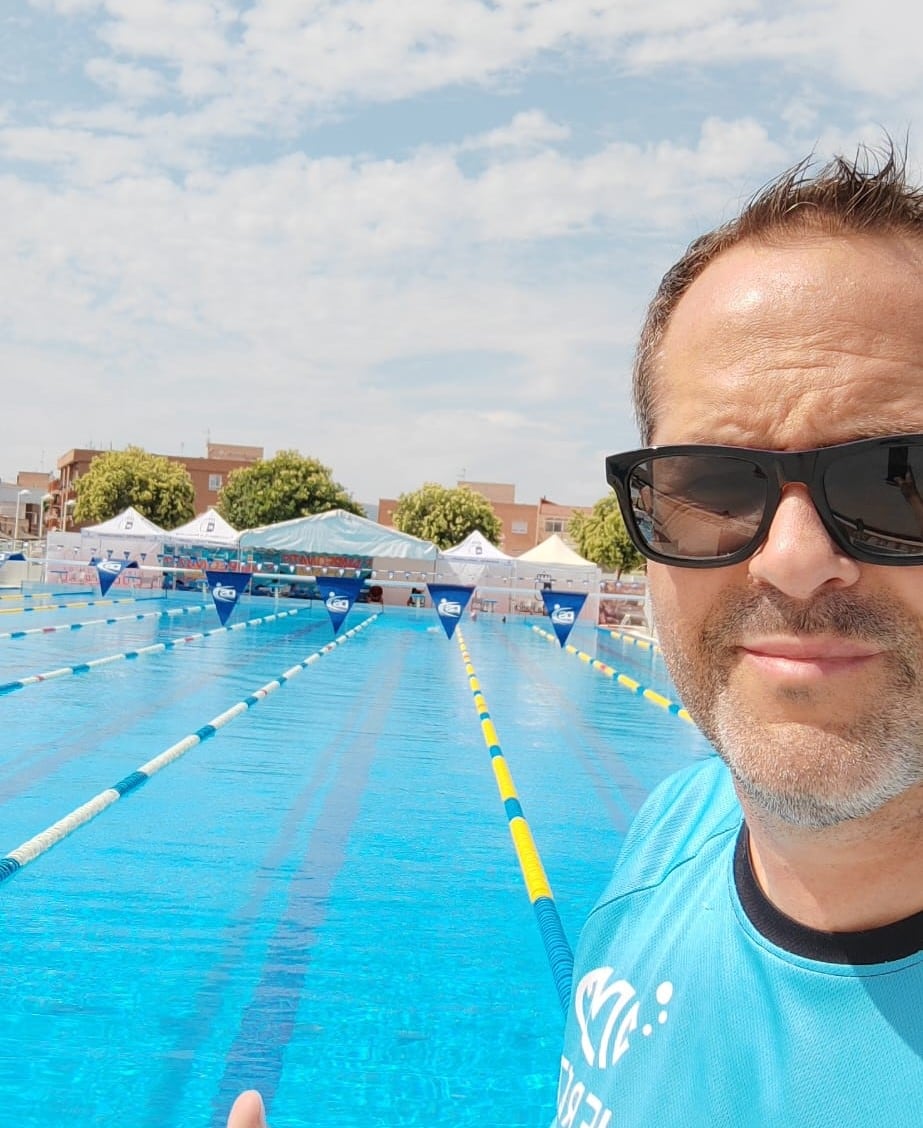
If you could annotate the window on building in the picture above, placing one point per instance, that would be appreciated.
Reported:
(520, 527)
(215, 482)
(554, 524)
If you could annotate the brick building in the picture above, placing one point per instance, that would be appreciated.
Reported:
(208, 475)
(524, 526)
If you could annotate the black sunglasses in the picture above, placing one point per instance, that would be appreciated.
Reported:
(700, 506)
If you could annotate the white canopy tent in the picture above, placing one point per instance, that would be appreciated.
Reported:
(476, 561)
(476, 547)
(208, 529)
(129, 534)
(553, 564)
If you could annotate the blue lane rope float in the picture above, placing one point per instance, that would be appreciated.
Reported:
(538, 887)
(34, 847)
(65, 606)
(623, 679)
(154, 648)
(108, 622)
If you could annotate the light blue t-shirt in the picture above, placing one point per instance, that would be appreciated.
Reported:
(686, 1014)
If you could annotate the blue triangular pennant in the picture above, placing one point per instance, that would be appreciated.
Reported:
(339, 594)
(563, 607)
(108, 571)
(450, 601)
(226, 588)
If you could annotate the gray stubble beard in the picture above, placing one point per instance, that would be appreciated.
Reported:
(803, 775)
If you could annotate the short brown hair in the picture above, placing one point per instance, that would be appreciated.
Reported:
(869, 193)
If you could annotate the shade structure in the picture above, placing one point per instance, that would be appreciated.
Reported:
(476, 547)
(129, 535)
(475, 561)
(208, 528)
(337, 533)
(553, 565)
(128, 524)
(554, 550)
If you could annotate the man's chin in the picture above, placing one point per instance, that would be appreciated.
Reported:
(806, 810)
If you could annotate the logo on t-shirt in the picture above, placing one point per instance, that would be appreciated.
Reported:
(608, 1012)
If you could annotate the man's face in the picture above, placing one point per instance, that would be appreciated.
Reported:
(804, 667)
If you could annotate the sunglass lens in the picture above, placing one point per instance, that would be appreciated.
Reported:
(874, 495)
(697, 506)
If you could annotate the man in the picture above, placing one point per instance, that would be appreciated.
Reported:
(758, 956)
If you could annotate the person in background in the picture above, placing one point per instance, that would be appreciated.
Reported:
(757, 959)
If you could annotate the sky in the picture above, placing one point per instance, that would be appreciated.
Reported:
(413, 239)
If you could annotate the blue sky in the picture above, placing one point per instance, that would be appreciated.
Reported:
(412, 238)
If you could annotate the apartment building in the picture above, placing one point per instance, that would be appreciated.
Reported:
(524, 525)
(208, 475)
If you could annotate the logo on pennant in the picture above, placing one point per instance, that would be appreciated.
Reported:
(226, 589)
(563, 607)
(339, 594)
(450, 601)
(108, 571)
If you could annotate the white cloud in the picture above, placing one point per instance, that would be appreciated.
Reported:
(464, 300)
(527, 130)
(270, 63)
(124, 80)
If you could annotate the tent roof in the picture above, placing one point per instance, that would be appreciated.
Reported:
(128, 523)
(553, 550)
(338, 533)
(207, 528)
(476, 546)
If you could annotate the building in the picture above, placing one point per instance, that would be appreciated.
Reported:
(524, 526)
(22, 506)
(208, 475)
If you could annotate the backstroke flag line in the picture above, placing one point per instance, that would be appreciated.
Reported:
(226, 589)
(108, 571)
(339, 594)
(450, 601)
(563, 607)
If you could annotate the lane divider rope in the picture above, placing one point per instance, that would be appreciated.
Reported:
(34, 847)
(77, 603)
(623, 679)
(107, 622)
(154, 648)
(633, 640)
(44, 594)
(538, 887)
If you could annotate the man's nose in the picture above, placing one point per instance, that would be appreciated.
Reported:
(798, 556)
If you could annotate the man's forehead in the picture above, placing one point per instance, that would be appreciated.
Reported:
(757, 276)
(805, 342)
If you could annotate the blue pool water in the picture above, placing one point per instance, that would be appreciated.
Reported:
(322, 900)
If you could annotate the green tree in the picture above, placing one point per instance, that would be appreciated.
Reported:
(280, 489)
(159, 489)
(601, 536)
(446, 516)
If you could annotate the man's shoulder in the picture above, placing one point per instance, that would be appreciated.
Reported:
(686, 815)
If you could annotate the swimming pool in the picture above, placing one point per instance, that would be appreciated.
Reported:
(321, 899)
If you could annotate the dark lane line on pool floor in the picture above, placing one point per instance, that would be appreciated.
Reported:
(256, 1057)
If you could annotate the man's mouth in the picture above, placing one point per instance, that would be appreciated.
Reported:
(807, 656)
